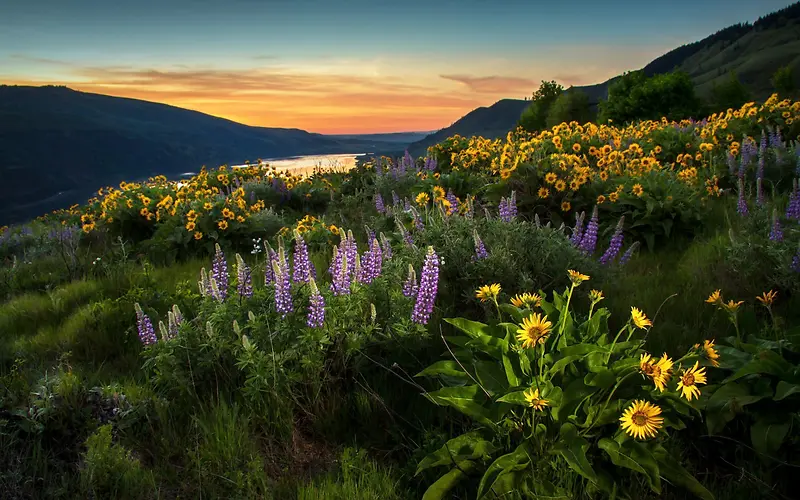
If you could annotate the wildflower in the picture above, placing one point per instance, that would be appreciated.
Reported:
(767, 298)
(283, 292)
(793, 209)
(422, 199)
(175, 318)
(776, 233)
(480, 249)
(577, 278)
(386, 246)
(244, 284)
(639, 319)
(616, 244)
(710, 352)
(428, 287)
(660, 371)
(577, 231)
(410, 284)
(533, 330)
(533, 399)
(316, 307)
(596, 296)
(379, 205)
(198, 235)
(528, 300)
(543, 192)
(715, 297)
(741, 204)
(301, 272)
(550, 178)
(641, 419)
(451, 198)
(687, 383)
(222, 225)
(219, 274)
(488, 292)
(438, 193)
(732, 306)
(565, 206)
(637, 190)
(147, 334)
(269, 274)
(589, 239)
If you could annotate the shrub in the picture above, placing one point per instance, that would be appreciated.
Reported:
(534, 118)
(570, 105)
(111, 471)
(638, 97)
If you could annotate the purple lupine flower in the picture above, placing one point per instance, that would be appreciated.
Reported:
(386, 246)
(418, 225)
(470, 208)
(453, 202)
(269, 274)
(430, 163)
(577, 231)
(480, 249)
(762, 155)
(628, 253)
(377, 259)
(793, 209)
(301, 272)
(616, 244)
(759, 192)
(395, 199)
(775, 139)
(407, 205)
(358, 271)
(796, 262)
(219, 274)
(589, 239)
(335, 268)
(797, 152)
(379, 205)
(350, 250)
(502, 210)
(378, 167)
(428, 287)
(512, 205)
(408, 160)
(244, 285)
(741, 205)
(363, 270)
(776, 233)
(283, 284)
(316, 307)
(175, 320)
(370, 233)
(410, 284)
(147, 334)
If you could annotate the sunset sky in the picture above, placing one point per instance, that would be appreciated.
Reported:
(349, 66)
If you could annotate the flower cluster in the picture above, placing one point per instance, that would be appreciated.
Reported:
(588, 241)
(316, 307)
(244, 284)
(147, 334)
(428, 287)
(616, 244)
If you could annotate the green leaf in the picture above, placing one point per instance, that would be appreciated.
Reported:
(784, 389)
(766, 362)
(573, 448)
(481, 336)
(466, 399)
(468, 446)
(768, 433)
(515, 398)
(492, 376)
(439, 489)
(573, 395)
(515, 312)
(672, 471)
(514, 461)
(558, 366)
(446, 367)
(635, 456)
(511, 369)
(601, 379)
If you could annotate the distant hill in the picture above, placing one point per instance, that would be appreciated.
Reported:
(58, 145)
(493, 121)
(753, 51)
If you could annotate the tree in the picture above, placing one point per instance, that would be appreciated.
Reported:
(634, 96)
(730, 94)
(783, 81)
(534, 118)
(571, 105)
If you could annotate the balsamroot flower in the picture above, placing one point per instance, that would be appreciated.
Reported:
(147, 334)
(616, 244)
(488, 292)
(534, 330)
(642, 420)
(688, 382)
(526, 300)
(316, 307)
(428, 287)
(534, 400)
(301, 273)
(244, 285)
(576, 278)
(639, 319)
(659, 371)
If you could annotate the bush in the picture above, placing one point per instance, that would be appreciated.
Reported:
(731, 94)
(638, 97)
(571, 105)
(111, 471)
(534, 118)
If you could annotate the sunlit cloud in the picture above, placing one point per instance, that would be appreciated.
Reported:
(493, 84)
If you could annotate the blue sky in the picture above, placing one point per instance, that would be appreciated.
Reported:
(344, 66)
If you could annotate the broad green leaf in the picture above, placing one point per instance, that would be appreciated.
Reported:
(446, 367)
(472, 328)
(516, 313)
(573, 448)
(515, 398)
(492, 376)
(514, 461)
(440, 489)
(581, 349)
(766, 362)
(466, 399)
(671, 470)
(558, 366)
(541, 488)
(784, 389)
(468, 446)
(601, 379)
(574, 394)
(511, 368)
(768, 433)
(635, 456)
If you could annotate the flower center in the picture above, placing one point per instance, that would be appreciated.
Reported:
(688, 379)
(639, 419)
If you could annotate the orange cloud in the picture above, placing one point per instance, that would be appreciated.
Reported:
(494, 84)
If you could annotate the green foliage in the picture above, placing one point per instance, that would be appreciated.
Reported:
(535, 116)
(570, 105)
(638, 97)
(111, 471)
(783, 81)
(559, 394)
(731, 94)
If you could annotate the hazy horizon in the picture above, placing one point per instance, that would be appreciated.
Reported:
(349, 67)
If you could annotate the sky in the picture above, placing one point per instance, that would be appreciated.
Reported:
(344, 66)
